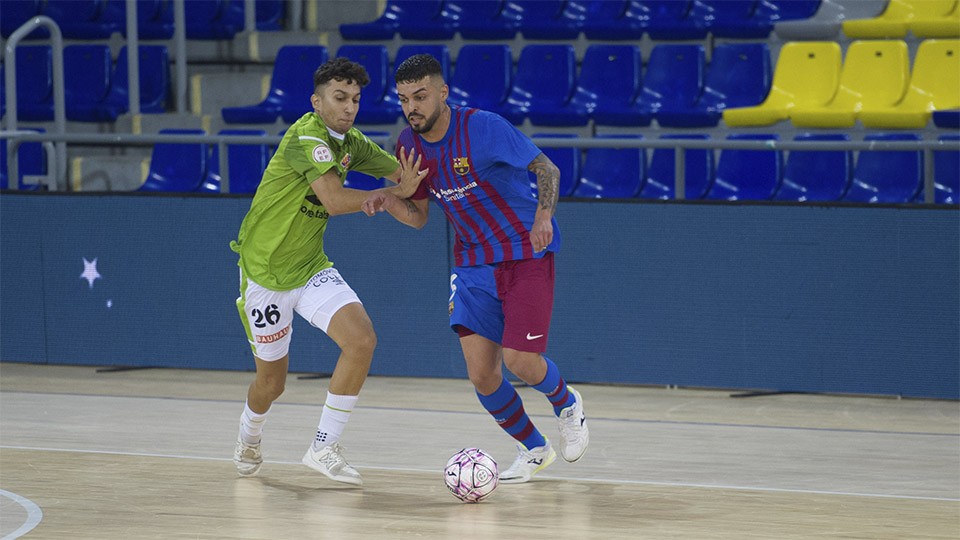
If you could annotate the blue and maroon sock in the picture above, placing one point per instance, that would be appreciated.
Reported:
(506, 407)
(555, 388)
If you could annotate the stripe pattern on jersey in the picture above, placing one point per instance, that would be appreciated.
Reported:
(487, 229)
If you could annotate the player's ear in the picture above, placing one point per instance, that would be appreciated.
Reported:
(315, 99)
(444, 92)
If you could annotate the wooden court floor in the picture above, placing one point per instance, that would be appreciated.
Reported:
(146, 454)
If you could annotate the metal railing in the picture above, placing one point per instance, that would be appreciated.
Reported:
(58, 158)
(56, 153)
(679, 145)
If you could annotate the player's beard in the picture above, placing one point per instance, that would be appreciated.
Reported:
(427, 122)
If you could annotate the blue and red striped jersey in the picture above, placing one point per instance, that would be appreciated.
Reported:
(478, 176)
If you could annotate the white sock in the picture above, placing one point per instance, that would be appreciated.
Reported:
(251, 425)
(336, 412)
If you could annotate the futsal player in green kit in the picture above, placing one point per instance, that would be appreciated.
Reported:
(283, 268)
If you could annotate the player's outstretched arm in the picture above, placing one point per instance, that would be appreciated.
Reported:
(407, 211)
(340, 200)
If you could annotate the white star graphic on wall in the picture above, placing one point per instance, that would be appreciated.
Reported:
(90, 271)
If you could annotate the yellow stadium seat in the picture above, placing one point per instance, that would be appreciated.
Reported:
(875, 74)
(947, 26)
(807, 74)
(934, 85)
(895, 20)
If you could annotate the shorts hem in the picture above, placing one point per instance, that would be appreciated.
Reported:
(338, 301)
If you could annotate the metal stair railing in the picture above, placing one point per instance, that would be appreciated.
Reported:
(57, 175)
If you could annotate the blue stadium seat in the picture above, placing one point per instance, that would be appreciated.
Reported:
(887, 176)
(483, 76)
(269, 15)
(816, 175)
(83, 19)
(246, 164)
(34, 83)
(486, 19)
(673, 79)
(566, 159)
(87, 76)
(747, 175)
(677, 19)
(31, 161)
(3, 91)
(612, 173)
(735, 19)
(375, 106)
(177, 167)
(428, 23)
(551, 19)
(946, 173)
(739, 75)
(290, 87)
(751, 19)
(609, 83)
(542, 87)
(207, 19)
(795, 10)
(154, 18)
(947, 118)
(698, 171)
(615, 20)
(398, 14)
(154, 80)
(17, 12)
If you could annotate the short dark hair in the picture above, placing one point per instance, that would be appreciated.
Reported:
(341, 69)
(417, 67)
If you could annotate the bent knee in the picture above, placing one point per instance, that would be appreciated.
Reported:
(272, 386)
(525, 365)
(486, 383)
(361, 343)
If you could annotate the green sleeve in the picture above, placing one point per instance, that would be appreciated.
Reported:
(370, 159)
(310, 156)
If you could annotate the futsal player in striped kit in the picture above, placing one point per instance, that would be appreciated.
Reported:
(501, 289)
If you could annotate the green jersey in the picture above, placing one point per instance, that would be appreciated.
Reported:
(281, 238)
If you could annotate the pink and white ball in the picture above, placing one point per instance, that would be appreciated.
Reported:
(471, 475)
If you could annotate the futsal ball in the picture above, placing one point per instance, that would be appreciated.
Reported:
(471, 475)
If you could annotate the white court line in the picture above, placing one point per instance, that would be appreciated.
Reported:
(34, 514)
(572, 478)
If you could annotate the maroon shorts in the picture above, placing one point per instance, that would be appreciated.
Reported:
(509, 303)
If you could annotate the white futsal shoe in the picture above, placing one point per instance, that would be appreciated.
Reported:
(574, 435)
(247, 458)
(528, 463)
(329, 461)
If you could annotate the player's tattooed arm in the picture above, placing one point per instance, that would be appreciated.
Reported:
(548, 182)
(407, 211)
(548, 186)
(412, 209)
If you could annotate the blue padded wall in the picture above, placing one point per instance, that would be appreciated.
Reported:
(794, 298)
(798, 298)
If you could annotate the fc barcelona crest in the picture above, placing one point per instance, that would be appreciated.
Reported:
(461, 165)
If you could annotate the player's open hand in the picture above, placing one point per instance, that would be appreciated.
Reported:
(410, 173)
